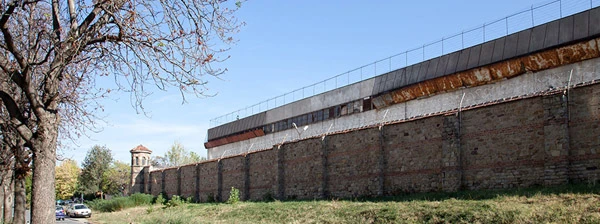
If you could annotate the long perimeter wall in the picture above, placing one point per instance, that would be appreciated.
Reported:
(546, 138)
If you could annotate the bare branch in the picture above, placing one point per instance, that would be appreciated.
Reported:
(73, 16)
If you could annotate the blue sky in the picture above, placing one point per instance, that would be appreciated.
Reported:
(286, 45)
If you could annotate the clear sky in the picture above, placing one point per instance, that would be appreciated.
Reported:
(286, 45)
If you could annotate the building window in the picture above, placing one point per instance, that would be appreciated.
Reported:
(137, 161)
(143, 161)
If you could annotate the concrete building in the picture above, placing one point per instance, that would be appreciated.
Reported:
(485, 72)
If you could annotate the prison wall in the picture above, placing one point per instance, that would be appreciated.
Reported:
(542, 139)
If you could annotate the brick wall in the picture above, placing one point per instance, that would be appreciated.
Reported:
(414, 155)
(171, 182)
(155, 183)
(503, 145)
(584, 134)
(233, 175)
(302, 169)
(548, 139)
(188, 181)
(262, 172)
(208, 181)
(353, 163)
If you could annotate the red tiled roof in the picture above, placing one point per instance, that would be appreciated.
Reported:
(141, 148)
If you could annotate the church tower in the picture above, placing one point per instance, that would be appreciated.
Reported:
(140, 169)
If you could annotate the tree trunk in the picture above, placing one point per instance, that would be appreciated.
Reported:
(44, 158)
(8, 197)
(20, 199)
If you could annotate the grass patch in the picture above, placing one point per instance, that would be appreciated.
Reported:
(120, 203)
(564, 204)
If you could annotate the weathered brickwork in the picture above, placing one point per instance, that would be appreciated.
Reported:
(414, 155)
(584, 134)
(188, 181)
(353, 163)
(155, 182)
(303, 169)
(549, 139)
(171, 182)
(208, 187)
(503, 145)
(233, 176)
(262, 172)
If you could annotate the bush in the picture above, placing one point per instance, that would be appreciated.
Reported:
(141, 199)
(159, 200)
(175, 201)
(234, 196)
(120, 203)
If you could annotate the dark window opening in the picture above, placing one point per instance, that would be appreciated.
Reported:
(367, 105)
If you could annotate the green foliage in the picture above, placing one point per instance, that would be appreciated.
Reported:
(116, 178)
(176, 156)
(210, 198)
(96, 163)
(120, 203)
(572, 204)
(234, 196)
(160, 199)
(141, 199)
(66, 179)
(175, 201)
(150, 209)
(189, 200)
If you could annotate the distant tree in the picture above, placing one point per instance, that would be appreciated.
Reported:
(96, 163)
(176, 156)
(116, 178)
(67, 174)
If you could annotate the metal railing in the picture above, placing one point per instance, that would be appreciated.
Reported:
(525, 19)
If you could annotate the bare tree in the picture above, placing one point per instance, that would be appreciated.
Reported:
(54, 52)
(14, 167)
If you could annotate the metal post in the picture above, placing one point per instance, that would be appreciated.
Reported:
(462, 39)
(442, 46)
(506, 19)
(361, 74)
(560, 3)
(532, 23)
(484, 32)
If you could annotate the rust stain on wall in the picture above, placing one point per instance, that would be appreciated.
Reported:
(502, 70)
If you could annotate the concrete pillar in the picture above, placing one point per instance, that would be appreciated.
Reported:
(246, 190)
(162, 181)
(197, 175)
(325, 165)
(179, 181)
(280, 172)
(452, 167)
(219, 180)
(381, 163)
(556, 139)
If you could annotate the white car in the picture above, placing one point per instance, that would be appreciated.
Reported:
(79, 210)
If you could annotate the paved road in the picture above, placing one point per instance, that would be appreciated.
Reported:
(66, 221)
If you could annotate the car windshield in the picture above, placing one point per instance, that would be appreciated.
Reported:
(58, 208)
(80, 207)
